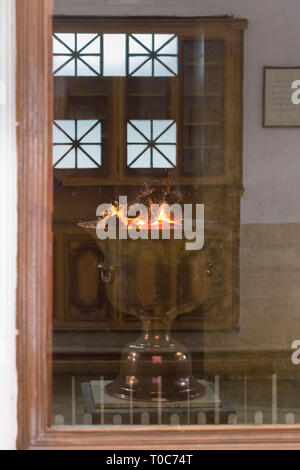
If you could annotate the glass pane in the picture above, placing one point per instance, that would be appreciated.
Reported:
(143, 128)
(169, 62)
(159, 161)
(83, 160)
(165, 45)
(143, 71)
(150, 328)
(76, 54)
(164, 131)
(143, 40)
(160, 49)
(92, 47)
(143, 161)
(66, 162)
(63, 130)
(136, 47)
(63, 66)
(84, 68)
(134, 153)
(114, 54)
(88, 43)
(133, 135)
(89, 131)
(59, 47)
(92, 136)
(93, 151)
(136, 63)
(154, 133)
(59, 151)
(160, 70)
(85, 136)
(67, 39)
(203, 107)
(163, 40)
(169, 152)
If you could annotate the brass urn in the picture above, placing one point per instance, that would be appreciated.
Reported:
(147, 279)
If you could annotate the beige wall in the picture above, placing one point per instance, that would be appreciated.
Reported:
(269, 290)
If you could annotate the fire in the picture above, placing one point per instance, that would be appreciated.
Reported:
(163, 217)
(157, 218)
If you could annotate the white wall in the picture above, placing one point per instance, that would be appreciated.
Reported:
(271, 156)
(8, 232)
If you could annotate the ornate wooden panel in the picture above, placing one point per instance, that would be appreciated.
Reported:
(80, 299)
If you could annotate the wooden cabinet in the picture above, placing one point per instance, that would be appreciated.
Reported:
(192, 88)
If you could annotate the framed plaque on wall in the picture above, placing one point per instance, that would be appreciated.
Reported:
(281, 85)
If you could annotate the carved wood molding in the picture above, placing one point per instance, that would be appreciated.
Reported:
(34, 293)
(212, 437)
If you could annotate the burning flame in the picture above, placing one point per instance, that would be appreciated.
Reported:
(160, 219)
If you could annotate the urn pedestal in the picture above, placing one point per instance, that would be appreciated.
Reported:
(155, 368)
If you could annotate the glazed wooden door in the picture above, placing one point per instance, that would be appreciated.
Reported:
(191, 81)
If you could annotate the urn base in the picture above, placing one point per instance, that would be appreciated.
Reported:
(155, 368)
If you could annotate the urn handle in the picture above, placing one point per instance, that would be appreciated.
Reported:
(106, 272)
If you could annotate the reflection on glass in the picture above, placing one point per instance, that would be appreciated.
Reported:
(161, 138)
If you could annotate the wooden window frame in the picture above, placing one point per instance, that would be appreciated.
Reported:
(34, 293)
(231, 32)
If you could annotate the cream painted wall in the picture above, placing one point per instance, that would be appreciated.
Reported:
(8, 233)
(271, 156)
